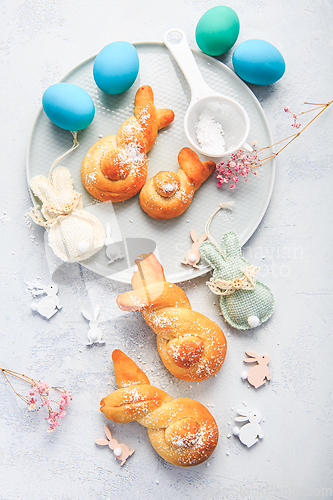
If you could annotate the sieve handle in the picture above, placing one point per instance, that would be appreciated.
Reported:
(176, 41)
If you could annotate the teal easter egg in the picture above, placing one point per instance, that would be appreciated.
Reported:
(116, 67)
(217, 30)
(258, 62)
(68, 106)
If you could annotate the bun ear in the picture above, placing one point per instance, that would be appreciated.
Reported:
(212, 255)
(230, 245)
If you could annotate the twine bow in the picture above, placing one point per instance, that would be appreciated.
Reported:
(228, 287)
(55, 214)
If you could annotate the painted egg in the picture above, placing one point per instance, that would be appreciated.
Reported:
(116, 67)
(217, 30)
(68, 106)
(258, 62)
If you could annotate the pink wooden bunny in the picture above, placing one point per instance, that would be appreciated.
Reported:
(121, 451)
(193, 256)
(258, 375)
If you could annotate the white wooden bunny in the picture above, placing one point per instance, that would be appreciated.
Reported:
(249, 433)
(193, 256)
(74, 234)
(121, 451)
(258, 374)
(95, 333)
(50, 304)
(113, 250)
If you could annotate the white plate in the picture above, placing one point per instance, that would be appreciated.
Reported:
(159, 70)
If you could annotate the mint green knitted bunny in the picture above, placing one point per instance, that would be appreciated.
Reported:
(245, 302)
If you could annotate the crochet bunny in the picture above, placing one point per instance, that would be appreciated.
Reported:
(243, 299)
(74, 234)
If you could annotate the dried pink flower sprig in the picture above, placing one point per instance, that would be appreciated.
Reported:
(39, 396)
(243, 162)
(239, 166)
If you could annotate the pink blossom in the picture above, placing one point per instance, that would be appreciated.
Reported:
(287, 109)
(232, 186)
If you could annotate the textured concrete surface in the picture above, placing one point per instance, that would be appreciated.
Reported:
(40, 41)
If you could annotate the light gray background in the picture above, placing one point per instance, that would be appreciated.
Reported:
(40, 41)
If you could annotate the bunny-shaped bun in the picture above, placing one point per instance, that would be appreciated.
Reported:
(249, 433)
(121, 451)
(74, 234)
(94, 333)
(181, 430)
(242, 298)
(193, 256)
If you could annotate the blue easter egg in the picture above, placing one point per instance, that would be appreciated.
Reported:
(68, 106)
(116, 67)
(258, 62)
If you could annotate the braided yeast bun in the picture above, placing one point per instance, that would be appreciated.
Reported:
(181, 430)
(192, 346)
(168, 194)
(115, 167)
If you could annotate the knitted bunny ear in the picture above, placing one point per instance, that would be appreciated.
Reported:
(62, 184)
(212, 255)
(41, 188)
(230, 245)
(62, 179)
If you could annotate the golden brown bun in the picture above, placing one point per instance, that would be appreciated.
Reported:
(115, 167)
(181, 430)
(192, 346)
(168, 194)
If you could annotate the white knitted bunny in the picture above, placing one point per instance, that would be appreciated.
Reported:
(74, 234)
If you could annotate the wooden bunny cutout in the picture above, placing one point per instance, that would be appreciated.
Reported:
(113, 250)
(249, 433)
(74, 234)
(94, 333)
(245, 302)
(258, 374)
(193, 256)
(121, 451)
(50, 304)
